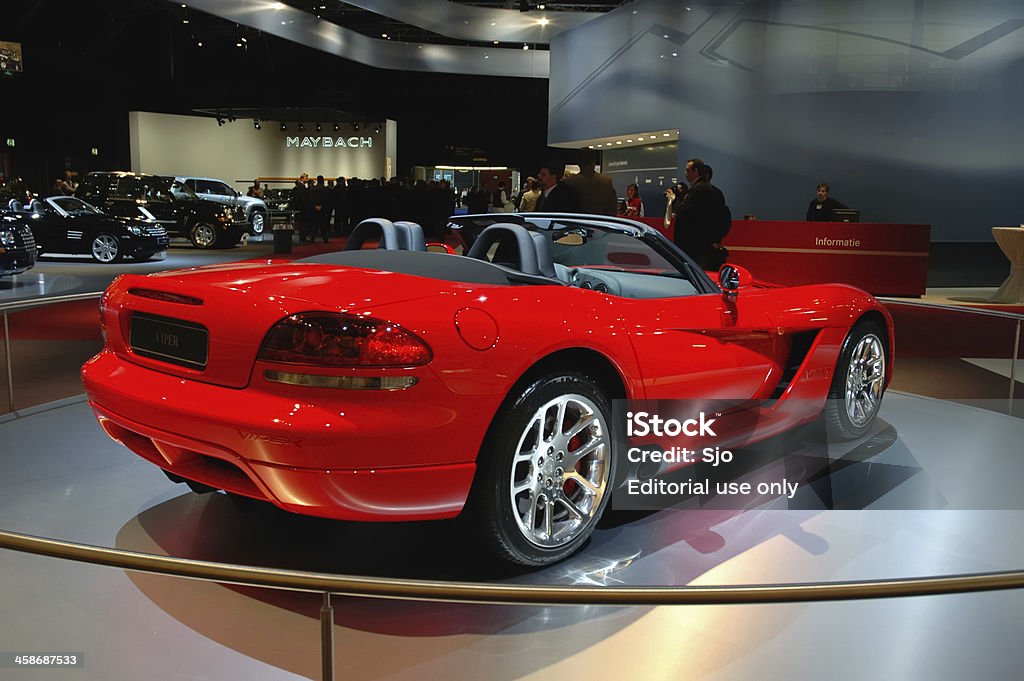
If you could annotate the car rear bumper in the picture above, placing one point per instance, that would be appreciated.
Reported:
(363, 463)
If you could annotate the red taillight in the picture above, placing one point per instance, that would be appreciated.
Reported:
(326, 339)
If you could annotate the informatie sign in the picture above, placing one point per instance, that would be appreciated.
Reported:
(10, 57)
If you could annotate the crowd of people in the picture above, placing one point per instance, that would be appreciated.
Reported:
(326, 208)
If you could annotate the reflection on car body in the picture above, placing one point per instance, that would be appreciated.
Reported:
(399, 384)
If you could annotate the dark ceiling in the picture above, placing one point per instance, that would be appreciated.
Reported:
(377, 26)
(88, 63)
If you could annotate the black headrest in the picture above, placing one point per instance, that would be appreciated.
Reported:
(14, 204)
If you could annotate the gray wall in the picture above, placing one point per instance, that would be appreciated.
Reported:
(166, 144)
(912, 109)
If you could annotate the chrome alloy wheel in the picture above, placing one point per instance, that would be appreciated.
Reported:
(204, 236)
(258, 222)
(560, 470)
(865, 380)
(105, 248)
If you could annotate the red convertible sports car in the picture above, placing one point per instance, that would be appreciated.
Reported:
(393, 383)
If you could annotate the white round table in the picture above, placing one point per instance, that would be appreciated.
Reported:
(1011, 241)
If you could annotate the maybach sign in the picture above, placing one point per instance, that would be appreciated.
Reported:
(328, 142)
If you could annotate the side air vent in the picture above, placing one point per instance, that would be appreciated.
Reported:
(799, 347)
(164, 296)
(601, 288)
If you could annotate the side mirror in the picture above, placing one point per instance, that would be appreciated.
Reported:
(731, 278)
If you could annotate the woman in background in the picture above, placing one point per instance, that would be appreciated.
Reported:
(634, 205)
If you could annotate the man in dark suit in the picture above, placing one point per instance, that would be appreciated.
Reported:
(556, 196)
(703, 218)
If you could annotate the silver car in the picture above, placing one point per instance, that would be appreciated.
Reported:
(219, 191)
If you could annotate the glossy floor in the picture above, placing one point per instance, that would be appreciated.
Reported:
(936, 490)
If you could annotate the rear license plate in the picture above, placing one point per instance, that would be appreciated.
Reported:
(169, 340)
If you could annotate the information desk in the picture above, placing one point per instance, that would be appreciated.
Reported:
(883, 259)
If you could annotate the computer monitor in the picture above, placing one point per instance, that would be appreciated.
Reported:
(845, 215)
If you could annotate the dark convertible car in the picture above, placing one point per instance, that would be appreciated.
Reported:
(65, 224)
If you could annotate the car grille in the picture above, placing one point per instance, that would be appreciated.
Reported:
(155, 230)
(27, 237)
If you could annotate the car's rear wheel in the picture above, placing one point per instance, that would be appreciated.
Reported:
(545, 471)
(858, 384)
(258, 222)
(105, 248)
(203, 235)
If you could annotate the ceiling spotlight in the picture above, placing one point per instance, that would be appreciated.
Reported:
(301, 128)
(337, 127)
(665, 134)
(543, 21)
(526, 47)
(238, 43)
(283, 126)
(256, 123)
(495, 42)
(618, 141)
(383, 35)
(318, 127)
(540, 6)
(199, 43)
(376, 128)
(629, 140)
(355, 127)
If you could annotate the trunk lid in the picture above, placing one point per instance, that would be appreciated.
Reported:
(237, 305)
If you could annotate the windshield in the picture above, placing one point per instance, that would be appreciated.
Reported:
(591, 247)
(182, 191)
(73, 206)
(617, 258)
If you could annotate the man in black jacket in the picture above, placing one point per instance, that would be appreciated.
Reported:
(703, 218)
(556, 196)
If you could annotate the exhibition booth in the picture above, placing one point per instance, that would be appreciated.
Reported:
(236, 151)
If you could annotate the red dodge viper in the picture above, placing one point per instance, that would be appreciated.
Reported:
(393, 383)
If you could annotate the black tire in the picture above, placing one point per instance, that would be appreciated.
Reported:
(524, 487)
(858, 384)
(105, 248)
(203, 235)
(257, 222)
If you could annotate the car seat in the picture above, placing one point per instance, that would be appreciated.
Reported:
(517, 249)
(375, 228)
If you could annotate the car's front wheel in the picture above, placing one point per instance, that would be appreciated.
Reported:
(858, 384)
(105, 248)
(258, 222)
(203, 235)
(545, 472)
